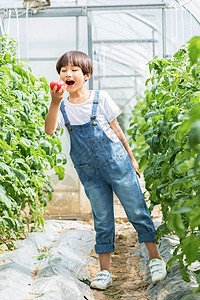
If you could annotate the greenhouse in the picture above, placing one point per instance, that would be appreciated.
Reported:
(109, 207)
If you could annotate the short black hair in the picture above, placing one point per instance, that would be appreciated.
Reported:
(75, 58)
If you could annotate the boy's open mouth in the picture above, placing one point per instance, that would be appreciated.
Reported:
(70, 82)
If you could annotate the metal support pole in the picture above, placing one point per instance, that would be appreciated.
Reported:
(2, 29)
(77, 33)
(119, 76)
(90, 49)
(77, 30)
(99, 74)
(124, 41)
(63, 11)
(153, 43)
(136, 88)
(77, 48)
(164, 33)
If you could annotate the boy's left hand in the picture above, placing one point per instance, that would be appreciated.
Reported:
(136, 167)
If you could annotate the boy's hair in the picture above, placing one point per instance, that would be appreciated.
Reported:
(75, 58)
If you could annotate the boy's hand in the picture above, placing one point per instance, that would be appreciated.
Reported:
(57, 96)
(136, 167)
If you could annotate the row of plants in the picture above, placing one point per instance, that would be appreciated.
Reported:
(25, 150)
(165, 127)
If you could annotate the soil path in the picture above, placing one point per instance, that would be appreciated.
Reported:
(128, 275)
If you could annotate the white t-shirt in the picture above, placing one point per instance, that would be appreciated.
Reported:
(79, 114)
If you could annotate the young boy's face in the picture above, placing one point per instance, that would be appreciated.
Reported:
(73, 77)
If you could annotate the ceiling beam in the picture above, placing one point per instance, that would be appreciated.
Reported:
(126, 7)
(63, 11)
(117, 87)
(125, 41)
(117, 76)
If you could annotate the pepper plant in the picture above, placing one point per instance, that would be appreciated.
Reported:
(166, 130)
(25, 150)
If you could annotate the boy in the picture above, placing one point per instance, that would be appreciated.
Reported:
(103, 160)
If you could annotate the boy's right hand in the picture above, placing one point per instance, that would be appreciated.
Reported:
(57, 96)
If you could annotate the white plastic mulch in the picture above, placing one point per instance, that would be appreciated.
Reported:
(48, 265)
(173, 287)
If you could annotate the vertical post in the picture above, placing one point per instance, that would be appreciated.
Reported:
(164, 32)
(77, 30)
(90, 50)
(153, 43)
(1, 25)
(99, 70)
(136, 88)
(27, 33)
(1, 28)
(77, 33)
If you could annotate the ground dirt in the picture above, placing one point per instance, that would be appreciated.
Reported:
(127, 272)
(128, 277)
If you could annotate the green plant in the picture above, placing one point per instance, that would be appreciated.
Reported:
(85, 280)
(44, 255)
(169, 127)
(25, 150)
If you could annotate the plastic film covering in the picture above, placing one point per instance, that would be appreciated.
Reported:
(49, 264)
(173, 287)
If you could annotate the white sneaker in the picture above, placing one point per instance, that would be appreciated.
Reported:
(158, 270)
(102, 281)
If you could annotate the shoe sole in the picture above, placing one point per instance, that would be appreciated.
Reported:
(101, 289)
(158, 280)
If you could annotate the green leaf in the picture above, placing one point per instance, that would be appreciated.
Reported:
(4, 168)
(182, 210)
(60, 171)
(4, 145)
(182, 130)
(185, 274)
(9, 222)
(190, 246)
(19, 70)
(59, 145)
(194, 217)
(194, 49)
(175, 223)
(20, 175)
(5, 199)
(172, 261)
(43, 79)
(47, 147)
(45, 85)
(194, 136)
(186, 165)
(10, 74)
(25, 142)
(150, 115)
(34, 163)
(32, 79)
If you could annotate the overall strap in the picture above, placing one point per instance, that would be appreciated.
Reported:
(95, 105)
(63, 111)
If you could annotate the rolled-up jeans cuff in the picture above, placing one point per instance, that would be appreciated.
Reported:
(146, 237)
(104, 248)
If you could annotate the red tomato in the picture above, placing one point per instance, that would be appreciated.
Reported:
(58, 83)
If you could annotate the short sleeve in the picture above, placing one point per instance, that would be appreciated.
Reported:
(111, 109)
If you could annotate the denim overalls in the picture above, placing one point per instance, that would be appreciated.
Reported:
(104, 167)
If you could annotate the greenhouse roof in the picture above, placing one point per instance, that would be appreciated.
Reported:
(125, 35)
(193, 6)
